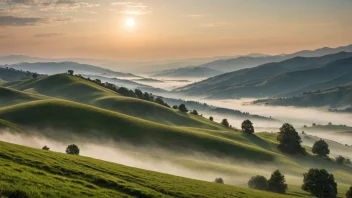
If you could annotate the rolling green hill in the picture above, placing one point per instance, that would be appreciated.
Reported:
(10, 97)
(87, 122)
(83, 91)
(49, 174)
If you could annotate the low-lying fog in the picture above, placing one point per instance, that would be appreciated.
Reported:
(195, 166)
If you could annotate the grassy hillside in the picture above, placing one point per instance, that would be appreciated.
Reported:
(336, 97)
(87, 122)
(83, 91)
(273, 78)
(10, 97)
(48, 174)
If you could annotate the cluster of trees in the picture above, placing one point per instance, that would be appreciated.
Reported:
(27, 74)
(321, 149)
(316, 181)
(71, 149)
(342, 160)
(276, 183)
(137, 93)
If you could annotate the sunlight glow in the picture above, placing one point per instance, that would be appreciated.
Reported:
(129, 22)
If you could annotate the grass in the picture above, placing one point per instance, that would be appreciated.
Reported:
(49, 174)
(90, 122)
(83, 91)
(10, 96)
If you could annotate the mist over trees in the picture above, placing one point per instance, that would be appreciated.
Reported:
(321, 148)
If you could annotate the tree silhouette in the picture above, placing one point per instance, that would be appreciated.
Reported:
(72, 149)
(289, 140)
(320, 183)
(321, 148)
(247, 127)
(225, 122)
(277, 182)
(349, 193)
(211, 118)
(183, 108)
(258, 182)
(219, 180)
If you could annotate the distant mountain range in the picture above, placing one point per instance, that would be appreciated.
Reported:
(62, 67)
(242, 62)
(278, 78)
(337, 97)
(188, 72)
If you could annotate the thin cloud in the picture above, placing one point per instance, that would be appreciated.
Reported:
(195, 15)
(65, 5)
(48, 35)
(30, 21)
(132, 8)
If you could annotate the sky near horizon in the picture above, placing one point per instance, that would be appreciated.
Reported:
(168, 29)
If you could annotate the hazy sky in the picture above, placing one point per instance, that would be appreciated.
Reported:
(167, 29)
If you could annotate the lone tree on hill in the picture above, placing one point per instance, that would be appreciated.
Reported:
(289, 140)
(46, 148)
(258, 182)
(339, 159)
(247, 127)
(321, 148)
(225, 122)
(320, 183)
(70, 72)
(219, 180)
(211, 118)
(194, 112)
(277, 182)
(349, 193)
(72, 149)
(183, 108)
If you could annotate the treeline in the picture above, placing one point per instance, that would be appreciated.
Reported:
(22, 74)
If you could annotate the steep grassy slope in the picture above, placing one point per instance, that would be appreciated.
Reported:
(10, 97)
(76, 121)
(49, 174)
(272, 78)
(83, 91)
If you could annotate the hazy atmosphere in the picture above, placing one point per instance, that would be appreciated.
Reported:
(188, 98)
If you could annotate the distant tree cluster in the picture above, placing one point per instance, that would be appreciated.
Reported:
(219, 180)
(25, 74)
(342, 160)
(276, 183)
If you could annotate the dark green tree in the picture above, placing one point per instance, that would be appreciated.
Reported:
(35, 75)
(258, 182)
(339, 159)
(70, 72)
(247, 127)
(175, 107)
(319, 183)
(219, 180)
(349, 193)
(321, 148)
(46, 148)
(138, 93)
(72, 149)
(159, 100)
(211, 118)
(183, 108)
(289, 140)
(194, 112)
(123, 91)
(277, 182)
(225, 122)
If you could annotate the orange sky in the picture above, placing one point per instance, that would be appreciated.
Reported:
(167, 29)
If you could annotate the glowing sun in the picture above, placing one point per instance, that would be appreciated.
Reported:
(130, 22)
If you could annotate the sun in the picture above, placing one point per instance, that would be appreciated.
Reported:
(130, 22)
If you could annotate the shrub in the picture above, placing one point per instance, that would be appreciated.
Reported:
(219, 180)
(277, 182)
(349, 193)
(339, 159)
(320, 183)
(194, 112)
(18, 194)
(247, 127)
(183, 108)
(225, 122)
(72, 149)
(211, 118)
(289, 140)
(175, 107)
(321, 148)
(258, 182)
(46, 148)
